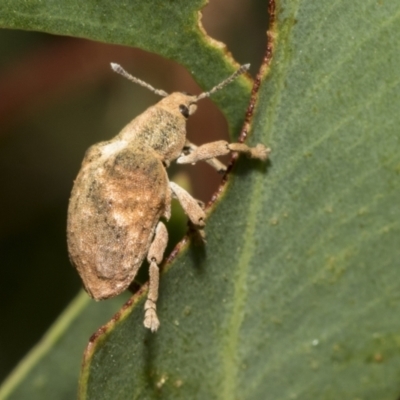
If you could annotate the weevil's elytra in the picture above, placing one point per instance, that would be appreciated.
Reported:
(122, 191)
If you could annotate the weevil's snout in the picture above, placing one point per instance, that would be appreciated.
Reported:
(180, 104)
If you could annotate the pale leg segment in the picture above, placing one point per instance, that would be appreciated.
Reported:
(154, 257)
(190, 205)
(215, 163)
(220, 148)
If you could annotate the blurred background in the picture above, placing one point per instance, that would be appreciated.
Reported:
(58, 96)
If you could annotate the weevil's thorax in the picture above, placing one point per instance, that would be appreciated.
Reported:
(163, 126)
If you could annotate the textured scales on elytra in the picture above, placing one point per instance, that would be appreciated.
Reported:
(122, 191)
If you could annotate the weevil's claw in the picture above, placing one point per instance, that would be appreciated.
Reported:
(197, 233)
(201, 235)
(151, 321)
(150, 317)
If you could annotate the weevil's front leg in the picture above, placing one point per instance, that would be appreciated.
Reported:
(220, 148)
(190, 205)
(154, 257)
(215, 163)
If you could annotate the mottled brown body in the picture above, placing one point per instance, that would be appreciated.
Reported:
(119, 196)
(114, 209)
(122, 191)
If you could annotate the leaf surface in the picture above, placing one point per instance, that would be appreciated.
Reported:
(51, 368)
(171, 29)
(296, 294)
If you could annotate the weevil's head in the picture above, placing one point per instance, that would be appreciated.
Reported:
(179, 104)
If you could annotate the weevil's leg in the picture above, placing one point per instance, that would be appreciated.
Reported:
(154, 257)
(220, 148)
(190, 205)
(215, 163)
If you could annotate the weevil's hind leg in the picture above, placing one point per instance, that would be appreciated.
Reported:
(154, 257)
(215, 163)
(220, 148)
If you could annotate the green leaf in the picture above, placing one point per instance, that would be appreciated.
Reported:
(51, 369)
(169, 28)
(296, 294)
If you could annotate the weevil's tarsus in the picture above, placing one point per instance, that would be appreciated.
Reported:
(119, 70)
(259, 152)
(151, 320)
(154, 257)
(227, 81)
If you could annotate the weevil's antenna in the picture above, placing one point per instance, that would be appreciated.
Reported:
(119, 70)
(227, 81)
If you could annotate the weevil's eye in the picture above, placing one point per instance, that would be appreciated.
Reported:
(184, 111)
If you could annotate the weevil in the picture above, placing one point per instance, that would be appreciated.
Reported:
(122, 191)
